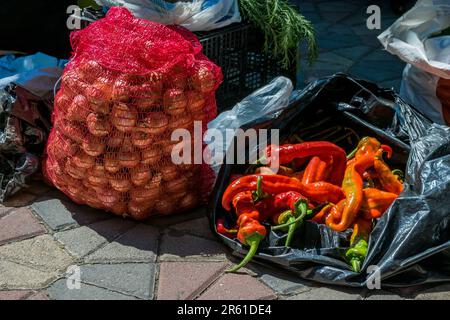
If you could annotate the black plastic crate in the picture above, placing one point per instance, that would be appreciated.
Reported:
(238, 50)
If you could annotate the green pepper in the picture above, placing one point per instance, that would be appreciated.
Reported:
(357, 252)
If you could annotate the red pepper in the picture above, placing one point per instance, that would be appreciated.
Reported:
(318, 169)
(250, 231)
(297, 205)
(288, 152)
(376, 202)
(352, 187)
(323, 213)
(389, 181)
(318, 192)
(220, 227)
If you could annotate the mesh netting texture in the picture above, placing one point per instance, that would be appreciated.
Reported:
(128, 85)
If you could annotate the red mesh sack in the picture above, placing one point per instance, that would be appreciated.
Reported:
(129, 84)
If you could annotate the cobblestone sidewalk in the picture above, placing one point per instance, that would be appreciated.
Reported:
(347, 45)
(42, 233)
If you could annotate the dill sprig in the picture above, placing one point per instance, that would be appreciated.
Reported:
(283, 28)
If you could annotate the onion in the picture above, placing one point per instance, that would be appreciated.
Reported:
(102, 108)
(115, 139)
(169, 172)
(140, 175)
(203, 80)
(93, 146)
(148, 193)
(61, 147)
(139, 211)
(97, 176)
(123, 118)
(72, 170)
(97, 126)
(108, 197)
(174, 102)
(104, 84)
(184, 122)
(177, 81)
(128, 157)
(111, 163)
(189, 201)
(199, 116)
(167, 146)
(78, 109)
(196, 101)
(71, 81)
(89, 69)
(91, 199)
(120, 89)
(62, 102)
(164, 207)
(150, 156)
(88, 185)
(176, 185)
(71, 130)
(75, 192)
(95, 95)
(154, 123)
(83, 160)
(141, 139)
(120, 183)
(119, 208)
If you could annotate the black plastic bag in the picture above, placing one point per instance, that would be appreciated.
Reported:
(24, 127)
(410, 243)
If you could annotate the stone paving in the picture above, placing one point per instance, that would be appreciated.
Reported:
(347, 45)
(45, 240)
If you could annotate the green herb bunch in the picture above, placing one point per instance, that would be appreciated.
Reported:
(283, 28)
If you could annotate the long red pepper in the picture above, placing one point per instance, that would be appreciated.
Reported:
(250, 230)
(318, 169)
(389, 181)
(376, 202)
(318, 192)
(297, 205)
(288, 152)
(352, 186)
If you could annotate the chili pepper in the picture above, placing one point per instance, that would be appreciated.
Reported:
(389, 181)
(318, 192)
(366, 145)
(250, 231)
(352, 187)
(335, 213)
(369, 175)
(288, 152)
(220, 227)
(292, 219)
(376, 202)
(317, 169)
(323, 213)
(297, 205)
(359, 243)
(243, 205)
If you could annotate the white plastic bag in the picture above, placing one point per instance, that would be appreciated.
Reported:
(195, 15)
(428, 58)
(263, 104)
